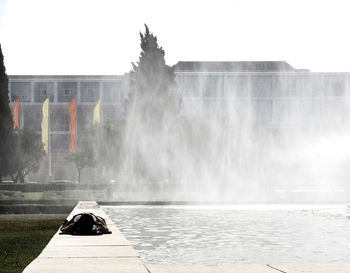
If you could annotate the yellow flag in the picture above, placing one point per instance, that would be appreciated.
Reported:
(45, 126)
(96, 118)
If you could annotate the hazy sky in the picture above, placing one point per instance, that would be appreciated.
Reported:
(102, 36)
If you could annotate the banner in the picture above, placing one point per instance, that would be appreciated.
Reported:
(45, 126)
(72, 111)
(97, 110)
(15, 113)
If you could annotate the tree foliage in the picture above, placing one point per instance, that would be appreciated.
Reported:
(154, 95)
(99, 146)
(151, 109)
(6, 123)
(84, 155)
(109, 144)
(26, 154)
(20, 151)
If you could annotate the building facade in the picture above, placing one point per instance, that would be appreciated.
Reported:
(33, 90)
(273, 94)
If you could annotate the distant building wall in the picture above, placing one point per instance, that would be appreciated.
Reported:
(275, 99)
(274, 94)
(33, 90)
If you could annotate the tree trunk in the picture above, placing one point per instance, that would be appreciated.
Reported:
(13, 178)
(78, 175)
(21, 177)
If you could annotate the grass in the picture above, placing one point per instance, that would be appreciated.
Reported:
(23, 237)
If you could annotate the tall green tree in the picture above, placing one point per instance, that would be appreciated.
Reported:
(151, 108)
(6, 123)
(154, 95)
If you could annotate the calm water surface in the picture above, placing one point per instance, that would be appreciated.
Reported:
(236, 234)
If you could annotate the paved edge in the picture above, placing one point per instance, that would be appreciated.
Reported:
(113, 253)
(103, 253)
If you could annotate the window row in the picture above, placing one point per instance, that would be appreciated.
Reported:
(59, 121)
(59, 118)
(268, 110)
(261, 86)
(89, 91)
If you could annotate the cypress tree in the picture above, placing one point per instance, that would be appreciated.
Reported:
(152, 106)
(6, 123)
(153, 94)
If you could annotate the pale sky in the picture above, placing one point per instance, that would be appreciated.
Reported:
(73, 37)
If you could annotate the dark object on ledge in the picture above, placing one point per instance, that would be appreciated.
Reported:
(85, 224)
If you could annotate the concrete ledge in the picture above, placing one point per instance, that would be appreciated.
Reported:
(113, 253)
(104, 253)
(249, 268)
(60, 265)
(232, 268)
(312, 268)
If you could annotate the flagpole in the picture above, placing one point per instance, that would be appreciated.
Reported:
(101, 109)
(22, 118)
(76, 123)
(49, 138)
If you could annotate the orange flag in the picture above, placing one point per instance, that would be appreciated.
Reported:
(72, 111)
(15, 113)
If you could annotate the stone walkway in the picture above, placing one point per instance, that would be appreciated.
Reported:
(113, 253)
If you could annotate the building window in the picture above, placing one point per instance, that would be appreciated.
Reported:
(318, 86)
(18, 94)
(67, 92)
(112, 91)
(261, 86)
(90, 94)
(42, 90)
(263, 110)
(59, 122)
(90, 91)
(21, 90)
(188, 85)
(236, 86)
(303, 84)
(285, 86)
(334, 87)
(211, 86)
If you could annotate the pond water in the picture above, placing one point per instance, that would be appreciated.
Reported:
(236, 234)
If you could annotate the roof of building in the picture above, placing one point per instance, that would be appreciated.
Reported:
(66, 77)
(246, 66)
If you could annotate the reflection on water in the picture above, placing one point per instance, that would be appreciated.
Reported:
(236, 234)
